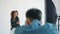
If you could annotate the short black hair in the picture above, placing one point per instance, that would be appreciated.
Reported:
(34, 13)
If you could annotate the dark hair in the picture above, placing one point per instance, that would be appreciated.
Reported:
(13, 12)
(34, 14)
(16, 11)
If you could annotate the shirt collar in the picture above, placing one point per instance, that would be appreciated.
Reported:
(35, 24)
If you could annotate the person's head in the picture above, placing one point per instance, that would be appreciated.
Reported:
(32, 14)
(14, 14)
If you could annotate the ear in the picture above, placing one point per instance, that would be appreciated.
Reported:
(28, 21)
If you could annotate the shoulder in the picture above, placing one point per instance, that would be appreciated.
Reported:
(51, 25)
(17, 17)
(52, 29)
(20, 29)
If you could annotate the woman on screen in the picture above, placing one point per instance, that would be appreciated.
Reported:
(14, 19)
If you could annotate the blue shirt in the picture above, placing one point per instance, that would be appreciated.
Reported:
(36, 28)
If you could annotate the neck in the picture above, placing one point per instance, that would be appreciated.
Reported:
(34, 24)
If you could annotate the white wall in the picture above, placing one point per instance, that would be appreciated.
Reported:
(6, 6)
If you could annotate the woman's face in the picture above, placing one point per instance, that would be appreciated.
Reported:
(15, 15)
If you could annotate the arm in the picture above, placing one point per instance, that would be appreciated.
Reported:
(12, 22)
(17, 20)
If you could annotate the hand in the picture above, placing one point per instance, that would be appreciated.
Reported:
(17, 22)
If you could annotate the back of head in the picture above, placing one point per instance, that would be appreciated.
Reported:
(33, 14)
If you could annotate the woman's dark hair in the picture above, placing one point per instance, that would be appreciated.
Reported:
(34, 14)
(17, 11)
(13, 12)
